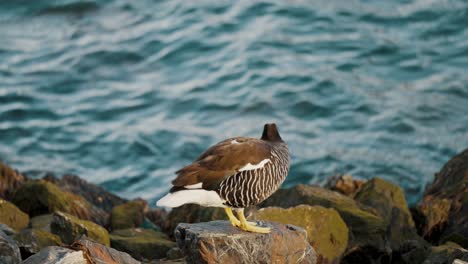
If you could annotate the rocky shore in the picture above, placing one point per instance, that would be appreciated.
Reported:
(68, 220)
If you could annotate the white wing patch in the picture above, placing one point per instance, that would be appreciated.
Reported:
(250, 166)
(194, 186)
(201, 197)
(234, 141)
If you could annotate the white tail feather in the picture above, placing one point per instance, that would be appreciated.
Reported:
(201, 197)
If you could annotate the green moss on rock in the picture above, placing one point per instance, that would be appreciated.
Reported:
(12, 216)
(388, 200)
(41, 222)
(366, 226)
(69, 228)
(326, 230)
(128, 215)
(142, 244)
(41, 197)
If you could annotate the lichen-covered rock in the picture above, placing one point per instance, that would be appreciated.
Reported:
(10, 181)
(344, 184)
(41, 222)
(367, 229)
(41, 197)
(56, 255)
(219, 242)
(327, 233)
(98, 253)
(31, 241)
(389, 201)
(443, 212)
(191, 213)
(12, 216)
(94, 194)
(128, 215)
(142, 244)
(69, 228)
(9, 251)
(446, 254)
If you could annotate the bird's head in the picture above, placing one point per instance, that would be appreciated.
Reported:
(270, 133)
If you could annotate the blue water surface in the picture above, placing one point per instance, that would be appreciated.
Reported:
(123, 93)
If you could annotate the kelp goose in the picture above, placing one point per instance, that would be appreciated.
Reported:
(233, 174)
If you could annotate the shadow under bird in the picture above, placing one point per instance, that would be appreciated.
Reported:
(233, 174)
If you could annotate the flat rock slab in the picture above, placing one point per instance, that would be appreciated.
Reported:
(219, 242)
(56, 255)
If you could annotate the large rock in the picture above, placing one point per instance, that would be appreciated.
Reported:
(367, 228)
(31, 241)
(69, 228)
(142, 244)
(443, 213)
(94, 194)
(191, 213)
(41, 197)
(56, 255)
(446, 254)
(128, 215)
(9, 251)
(156, 216)
(327, 233)
(12, 216)
(101, 254)
(10, 181)
(389, 201)
(219, 242)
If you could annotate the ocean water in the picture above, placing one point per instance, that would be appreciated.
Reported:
(124, 93)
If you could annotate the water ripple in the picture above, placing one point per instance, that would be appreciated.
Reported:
(125, 93)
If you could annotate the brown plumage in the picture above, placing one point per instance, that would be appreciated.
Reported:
(222, 160)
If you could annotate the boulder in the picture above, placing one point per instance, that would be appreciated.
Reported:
(389, 201)
(98, 253)
(31, 241)
(69, 228)
(142, 244)
(10, 181)
(94, 194)
(56, 255)
(37, 197)
(442, 215)
(219, 242)
(156, 215)
(327, 233)
(446, 254)
(128, 215)
(9, 251)
(344, 184)
(367, 228)
(191, 213)
(12, 216)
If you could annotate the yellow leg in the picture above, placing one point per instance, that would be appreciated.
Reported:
(249, 226)
(234, 221)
